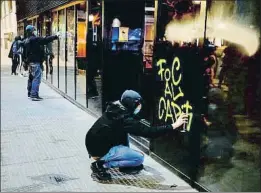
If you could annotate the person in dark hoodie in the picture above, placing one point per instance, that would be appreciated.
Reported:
(107, 140)
(34, 54)
(14, 54)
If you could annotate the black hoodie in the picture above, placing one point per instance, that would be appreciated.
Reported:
(34, 48)
(113, 127)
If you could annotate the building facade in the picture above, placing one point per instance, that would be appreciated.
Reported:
(8, 23)
(197, 57)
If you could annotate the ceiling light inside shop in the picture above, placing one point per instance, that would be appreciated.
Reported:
(116, 23)
(196, 2)
(91, 17)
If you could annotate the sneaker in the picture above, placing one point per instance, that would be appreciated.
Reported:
(99, 171)
(37, 98)
(131, 170)
(28, 95)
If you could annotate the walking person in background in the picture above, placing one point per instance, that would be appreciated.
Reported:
(14, 54)
(107, 141)
(35, 56)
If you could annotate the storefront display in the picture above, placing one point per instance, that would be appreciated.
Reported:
(54, 77)
(81, 60)
(62, 60)
(148, 38)
(71, 72)
(94, 57)
(218, 149)
(81, 34)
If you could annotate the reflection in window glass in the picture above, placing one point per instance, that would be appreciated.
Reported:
(94, 62)
(231, 145)
(81, 55)
(179, 82)
(221, 148)
(70, 52)
(55, 49)
(62, 30)
(45, 31)
(148, 40)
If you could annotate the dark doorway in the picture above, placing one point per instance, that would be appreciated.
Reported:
(122, 48)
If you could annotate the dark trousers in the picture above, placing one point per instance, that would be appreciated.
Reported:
(30, 81)
(91, 83)
(15, 62)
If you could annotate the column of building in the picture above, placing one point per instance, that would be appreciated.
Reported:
(8, 23)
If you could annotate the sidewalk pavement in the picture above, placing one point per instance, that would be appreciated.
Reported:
(42, 147)
(5, 61)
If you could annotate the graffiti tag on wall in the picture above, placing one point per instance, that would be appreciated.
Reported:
(172, 103)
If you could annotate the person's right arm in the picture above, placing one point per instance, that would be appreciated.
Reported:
(144, 129)
(46, 40)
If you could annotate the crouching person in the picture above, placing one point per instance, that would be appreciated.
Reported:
(107, 141)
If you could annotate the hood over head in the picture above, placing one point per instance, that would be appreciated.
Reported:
(115, 111)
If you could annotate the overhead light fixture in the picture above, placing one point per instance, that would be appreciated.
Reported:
(196, 2)
(91, 17)
(116, 23)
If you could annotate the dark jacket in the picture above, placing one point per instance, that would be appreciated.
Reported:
(113, 127)
(34, 48)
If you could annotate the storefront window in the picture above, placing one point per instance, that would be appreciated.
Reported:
(54, 77)
(62, 30)
(123, 40)
(179, 82)
(230, 154)
(210, 72)
(81, 62)
(94, 81)
(45, 30)
(20, 29)
(71, 51)
(148, 37)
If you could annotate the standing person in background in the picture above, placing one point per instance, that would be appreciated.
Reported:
(14, 54)
(34, 54)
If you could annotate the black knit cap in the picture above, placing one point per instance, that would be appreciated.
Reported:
(131, 99)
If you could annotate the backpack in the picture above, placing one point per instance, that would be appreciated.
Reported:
(15, 47)
(10, 55)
